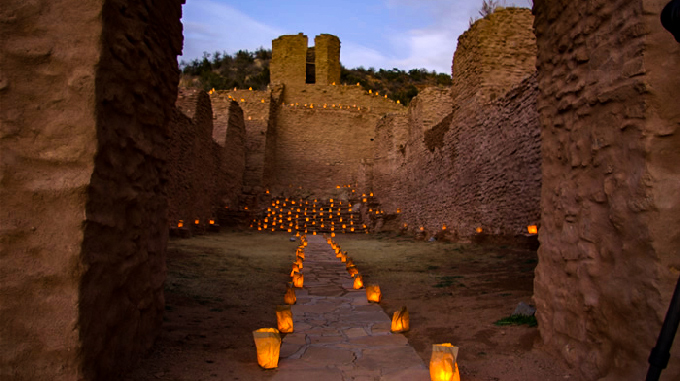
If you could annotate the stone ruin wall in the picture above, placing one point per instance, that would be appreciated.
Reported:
(256, 108)
(203, 175)
(609, 78)
(317, 147)
(48, 140)
(327, 59)
(475, 163)
(87, 92)
(494, 56)
(289, 57)
(121, 300)
(323, 132)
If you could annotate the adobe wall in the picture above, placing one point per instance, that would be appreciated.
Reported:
(323, 135)
(468, 163)
(289, 60)
(48, 140)
(231, 160)
(389, 161)
(609, 80)
(493, 55)
(121, 299)
(199, 180)
(327, 59)
(255, 107)
(84, 120)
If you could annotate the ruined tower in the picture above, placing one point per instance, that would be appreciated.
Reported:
(294, 64)
(327, 61)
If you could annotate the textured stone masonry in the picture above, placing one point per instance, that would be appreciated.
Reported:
(609, 81)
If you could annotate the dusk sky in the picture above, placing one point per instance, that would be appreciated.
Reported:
(404, 34)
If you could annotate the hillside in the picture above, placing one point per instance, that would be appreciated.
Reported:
(247, 69)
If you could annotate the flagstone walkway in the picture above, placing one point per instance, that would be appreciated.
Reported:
(338, 335)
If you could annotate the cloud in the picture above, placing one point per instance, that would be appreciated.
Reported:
(209, 24)
(432, 46)
(353, 55)
(428, 49)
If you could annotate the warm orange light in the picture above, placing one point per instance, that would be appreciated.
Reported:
(332, 234)
(212, 222)
(353, 271)
(284, 319)
(268, 344)
(422, 228)
(533, 229)
(373, 293)
(400, 321)
(398, 210)
(444, 227)
(443, 365)
(196, 222)
(479, 229)
(180, 224)
(290, 297)
(298, 280)
(358, 282)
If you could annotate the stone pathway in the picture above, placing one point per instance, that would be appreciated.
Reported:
(338, 335)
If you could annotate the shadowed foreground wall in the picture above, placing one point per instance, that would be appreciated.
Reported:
(86, 91)
(609, 80)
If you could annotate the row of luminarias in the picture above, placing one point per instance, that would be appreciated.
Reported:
(443, 366)
(370, 92)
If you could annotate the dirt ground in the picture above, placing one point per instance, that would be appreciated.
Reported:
(221, 287)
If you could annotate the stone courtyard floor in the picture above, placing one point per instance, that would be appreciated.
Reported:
(338, 334)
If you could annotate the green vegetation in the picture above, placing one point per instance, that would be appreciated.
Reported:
(447, 281)
(244, 69)
(518, 320)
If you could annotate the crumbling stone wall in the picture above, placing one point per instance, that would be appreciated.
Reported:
(609, 80)
(322, 142)
(231, 160)
(327, 59)
(255, 106)
(87, 91)
(493, 56)
(123, 252)
(48, 140)
(289, 60)
(469, 163)
(389, 161)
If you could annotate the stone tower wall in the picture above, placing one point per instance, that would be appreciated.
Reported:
(289, 60)
(327, 63)
(493, 55)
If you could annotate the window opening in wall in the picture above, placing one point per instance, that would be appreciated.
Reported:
(311, 67)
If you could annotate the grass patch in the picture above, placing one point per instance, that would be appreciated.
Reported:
(517, 320)
(447, 281)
